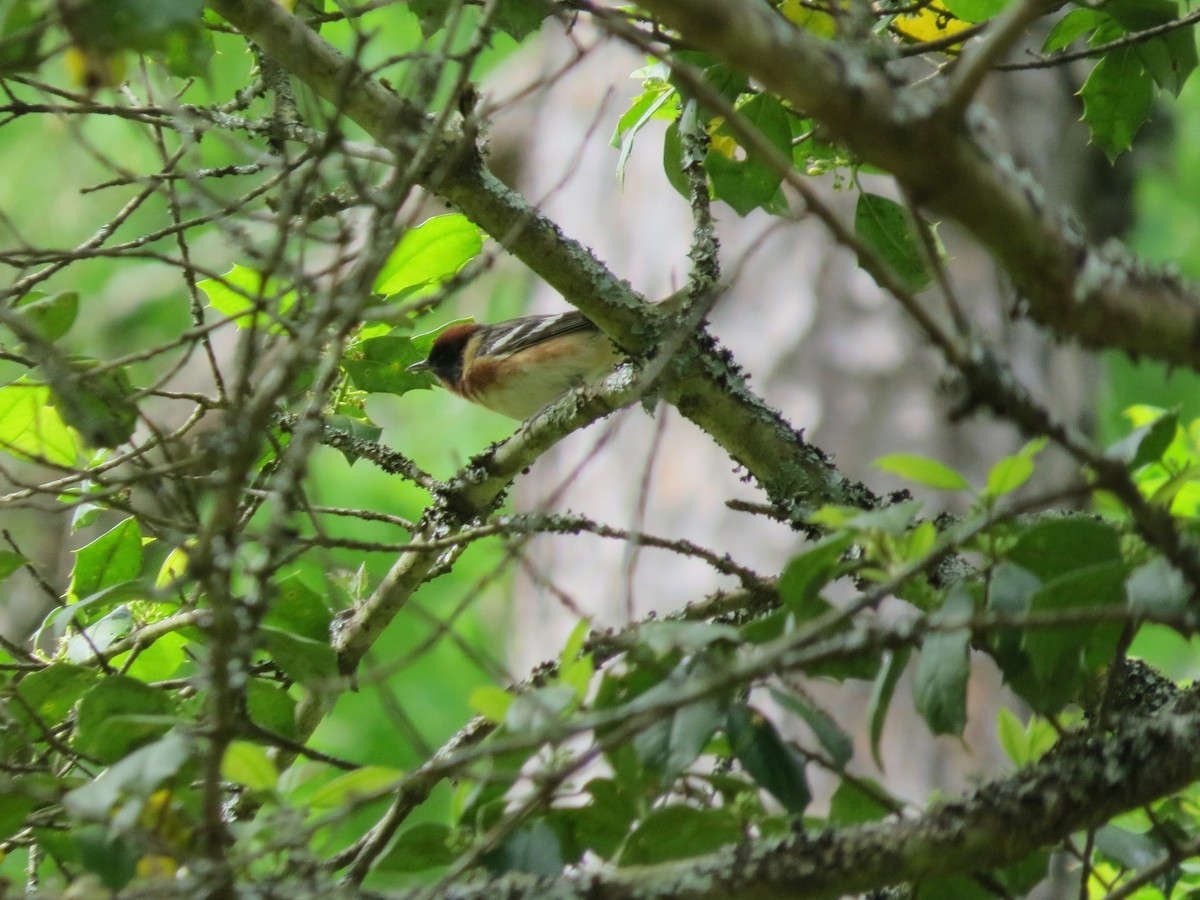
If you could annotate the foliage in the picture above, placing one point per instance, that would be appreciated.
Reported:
(216, 701)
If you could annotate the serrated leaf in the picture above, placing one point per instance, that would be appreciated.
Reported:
(380, 365)
(1117, 99)
(429, 254)
(521, 18)
(923, 470)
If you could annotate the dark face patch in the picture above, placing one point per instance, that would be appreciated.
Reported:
(446, 354)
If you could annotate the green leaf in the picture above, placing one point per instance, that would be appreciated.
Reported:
(960, 887)
(1057, 546)
(50, 316)
(308, 661)
(431, 14)
(922, 470)
(10, 562)
(98, 403)
(1011, 735)
(603, 824)
(429, 254)
(673, 159)
(535, 848)
(20, 36)
(884, 226)
(99, 636)
(1072, 27)
(425, 845)
(380, 365)
(1008, 474)
(750, 182)
(851, 805)
(943, 666)
(298, 609)
(882, 689)
(271, 707)
(157, 662)
(117, 715)
(521, 18)
(140, 25)
(249, 299)
(1117, 98)
(672, 743)
(679, 832)
(975, 10)
(31, 428)
(1057, 654)
(804, 575)
(1157, 439)
(837, 743)
(359, 431)
(112, 558)
(773, 764)
(247, 764)
(52, 692)
(354, 787)
(657, 101)
(490, 702)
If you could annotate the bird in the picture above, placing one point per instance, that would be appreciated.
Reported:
(518, 366)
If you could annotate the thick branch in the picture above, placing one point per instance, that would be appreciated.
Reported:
(701, 382)
(1101, 296)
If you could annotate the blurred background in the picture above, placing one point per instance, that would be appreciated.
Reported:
(820, 341)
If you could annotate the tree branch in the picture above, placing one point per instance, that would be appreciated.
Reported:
(1100, 295)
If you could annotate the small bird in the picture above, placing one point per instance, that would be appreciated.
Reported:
(518, 366)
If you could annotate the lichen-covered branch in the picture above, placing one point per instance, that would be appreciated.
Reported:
(1100, 295)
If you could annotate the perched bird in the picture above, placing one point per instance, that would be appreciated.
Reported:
(518, 366)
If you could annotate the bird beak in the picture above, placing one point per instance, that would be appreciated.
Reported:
(422, 366)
